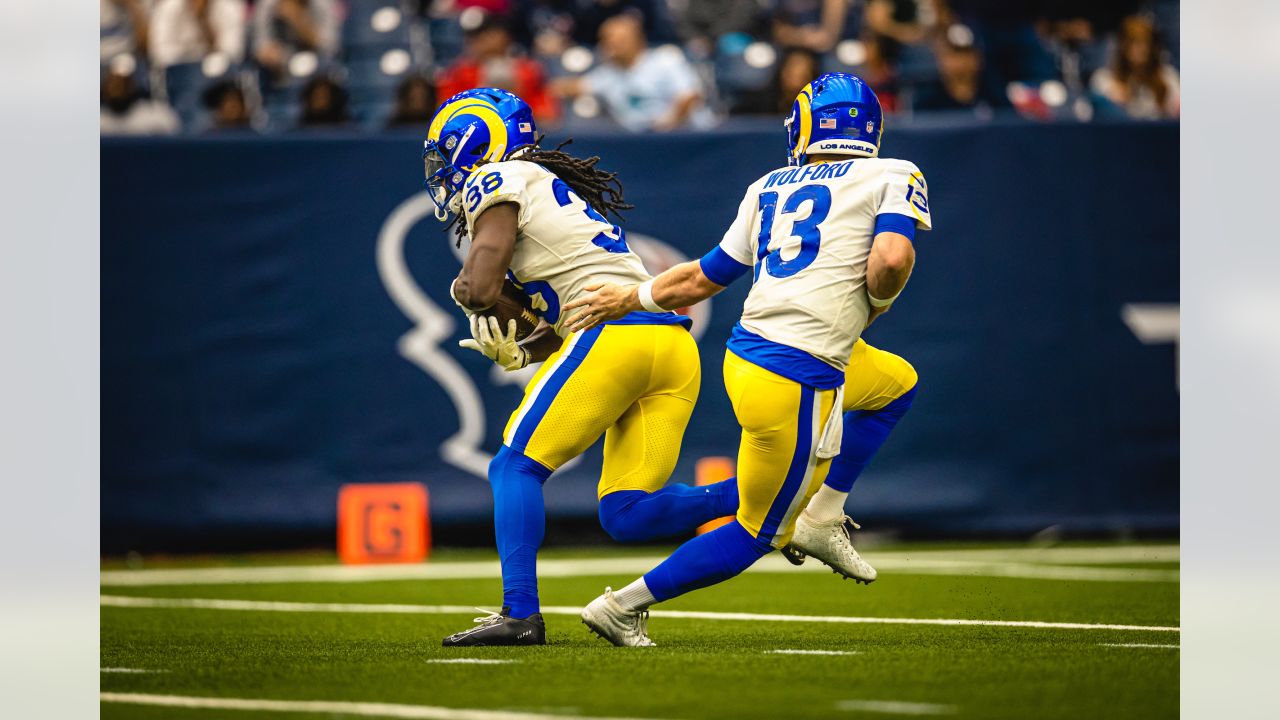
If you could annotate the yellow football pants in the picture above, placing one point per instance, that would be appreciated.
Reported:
(778, 466)
(874, 378)
(782, 420)
(636, 384)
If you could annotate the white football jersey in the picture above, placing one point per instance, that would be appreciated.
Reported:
(563, 244)
(806, 232)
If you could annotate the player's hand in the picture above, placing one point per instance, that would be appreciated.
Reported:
(488, 339)
(603, 302)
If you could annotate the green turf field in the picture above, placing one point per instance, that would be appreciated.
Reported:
(323, 641)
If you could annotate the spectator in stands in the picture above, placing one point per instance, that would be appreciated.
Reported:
(415, 103)
(794, 69)
(643, 89)
(897, 20)
(122, 28)
(545, 26)
(491, 59)
(1139, 80)
(888, 25)
(797, 68)
(324, 103)
(227, 106)
(879, 69)
(590, 18)
(284, 27)
(126, 110)
(959, 85)
(188, 30)
(813, 24)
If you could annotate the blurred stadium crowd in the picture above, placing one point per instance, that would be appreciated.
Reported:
(269, 66)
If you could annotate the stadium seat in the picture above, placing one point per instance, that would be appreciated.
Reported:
(446, 39)
(360, 26)
(917, 64)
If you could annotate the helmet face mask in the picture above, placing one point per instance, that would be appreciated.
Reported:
(468, 130)
(836, 114)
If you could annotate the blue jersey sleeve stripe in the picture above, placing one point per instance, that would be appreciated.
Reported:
(720, 268)
(895, 222)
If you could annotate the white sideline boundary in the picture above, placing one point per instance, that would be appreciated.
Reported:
(1027, 563)
(812, 652)
(1141, 645)
(895, 707)
(122, 601)
(323, 707)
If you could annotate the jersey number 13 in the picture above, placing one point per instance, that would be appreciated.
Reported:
(806, 229)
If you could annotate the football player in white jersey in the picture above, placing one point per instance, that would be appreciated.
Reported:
(535, 217)
(828, 241)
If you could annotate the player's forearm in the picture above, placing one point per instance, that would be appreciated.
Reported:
(889, 266)
(493, 243)
(541, 343)
(681, 286)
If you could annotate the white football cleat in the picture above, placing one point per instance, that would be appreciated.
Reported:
(830, 543)
(606, 617)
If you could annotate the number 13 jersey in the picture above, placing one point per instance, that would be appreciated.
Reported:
(806, 234)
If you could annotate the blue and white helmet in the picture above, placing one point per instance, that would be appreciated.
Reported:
(836, 114)
(471, 128)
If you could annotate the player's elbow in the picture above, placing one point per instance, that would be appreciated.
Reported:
(475, 295)
(900, 261)
(896, 256)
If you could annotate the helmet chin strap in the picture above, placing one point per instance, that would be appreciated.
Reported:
(441, 214)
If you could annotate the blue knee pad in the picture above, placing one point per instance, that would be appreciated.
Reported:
(637, 516)
(519, 521)
(865, 431)
(706, 560)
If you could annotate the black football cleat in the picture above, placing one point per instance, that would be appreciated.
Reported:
(793, 556)
(500, 629)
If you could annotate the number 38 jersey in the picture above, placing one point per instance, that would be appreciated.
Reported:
(562, 244)
(806, 234)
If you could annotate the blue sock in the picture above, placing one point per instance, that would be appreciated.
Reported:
(864, 432)
(637, 516)
(706, 560)
(519, 520)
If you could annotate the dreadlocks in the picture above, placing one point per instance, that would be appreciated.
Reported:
(600, 189)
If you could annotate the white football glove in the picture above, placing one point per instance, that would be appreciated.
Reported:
(488, 339)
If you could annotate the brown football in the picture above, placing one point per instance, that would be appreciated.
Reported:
(513, 304)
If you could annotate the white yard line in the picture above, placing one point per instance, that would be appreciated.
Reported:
(279, 606)
(895, 707)
(129, 671)
(1016, 563)
(322, 707)
(1140, 645)
(471, 661)
(811, 652)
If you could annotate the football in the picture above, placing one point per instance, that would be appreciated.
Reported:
(513, 304)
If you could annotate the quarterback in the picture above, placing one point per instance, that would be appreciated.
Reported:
(828, 241)
(536, 219)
